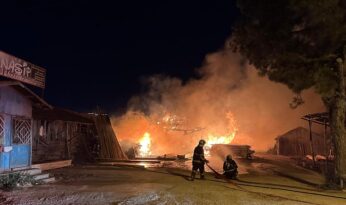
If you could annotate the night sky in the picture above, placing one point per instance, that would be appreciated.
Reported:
(97, 52)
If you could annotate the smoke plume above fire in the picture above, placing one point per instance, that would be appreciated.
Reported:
(228, 103)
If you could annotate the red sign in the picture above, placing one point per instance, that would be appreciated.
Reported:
(18, 69)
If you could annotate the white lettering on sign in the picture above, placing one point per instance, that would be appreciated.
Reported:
(13, 67)
(21, 70)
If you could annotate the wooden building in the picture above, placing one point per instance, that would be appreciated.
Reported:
(16, 105)
(32, 131)
(65, 134)
(297, 142)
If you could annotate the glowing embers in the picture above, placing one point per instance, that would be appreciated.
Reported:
(145, 144)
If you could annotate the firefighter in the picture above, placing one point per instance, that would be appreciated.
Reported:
(198, 160)
(230, 168)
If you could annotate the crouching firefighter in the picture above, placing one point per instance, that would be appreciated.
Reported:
(198, 160)
(230, 168)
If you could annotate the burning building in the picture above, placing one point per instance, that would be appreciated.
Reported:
(226, 103)
(148, 136)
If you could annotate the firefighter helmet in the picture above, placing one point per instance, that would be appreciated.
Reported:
(201, 142)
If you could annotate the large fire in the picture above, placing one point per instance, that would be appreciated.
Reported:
(211, 140)
(223, 139)
(170, 134)
(145, 144)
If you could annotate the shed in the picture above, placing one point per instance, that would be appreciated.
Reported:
(64, 134)
(296, 142)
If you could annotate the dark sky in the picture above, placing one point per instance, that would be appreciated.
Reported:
(96, 52)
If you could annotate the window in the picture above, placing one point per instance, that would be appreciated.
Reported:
(22, 131)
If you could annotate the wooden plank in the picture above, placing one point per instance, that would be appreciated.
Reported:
(52, 165)
(128, 161)
(122, 164)
(109, 145)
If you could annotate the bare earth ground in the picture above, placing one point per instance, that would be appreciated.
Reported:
(268, 180)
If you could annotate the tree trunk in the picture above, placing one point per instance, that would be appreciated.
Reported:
(338, 123)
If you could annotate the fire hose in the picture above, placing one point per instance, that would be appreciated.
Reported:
(215, 172)
(221, 176)
(218, 175)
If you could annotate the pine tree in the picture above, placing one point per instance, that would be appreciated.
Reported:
(300, 43)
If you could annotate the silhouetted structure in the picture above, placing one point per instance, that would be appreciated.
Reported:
(297, 142)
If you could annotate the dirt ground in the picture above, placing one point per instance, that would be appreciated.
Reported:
(267, 181)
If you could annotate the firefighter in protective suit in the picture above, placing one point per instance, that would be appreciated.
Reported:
(198, 160)
(230, 168)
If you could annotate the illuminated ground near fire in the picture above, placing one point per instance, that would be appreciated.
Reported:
(269, 181)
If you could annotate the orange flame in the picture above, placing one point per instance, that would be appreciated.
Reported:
(220, 139)
(145, 144)
(156, 135)
(224, 139)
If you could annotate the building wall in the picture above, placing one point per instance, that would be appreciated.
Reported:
(60, 140)
(300, 146)
(5, 141)
(13, 103)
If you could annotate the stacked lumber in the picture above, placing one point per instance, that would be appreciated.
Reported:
(242, 151)
(109, 145)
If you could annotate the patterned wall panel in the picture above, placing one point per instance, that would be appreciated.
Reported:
(22, 131)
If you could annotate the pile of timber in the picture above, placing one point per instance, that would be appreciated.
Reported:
(109, 145)
(159, 158)
(240, 151)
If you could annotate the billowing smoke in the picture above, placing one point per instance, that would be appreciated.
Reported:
(228, 99)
